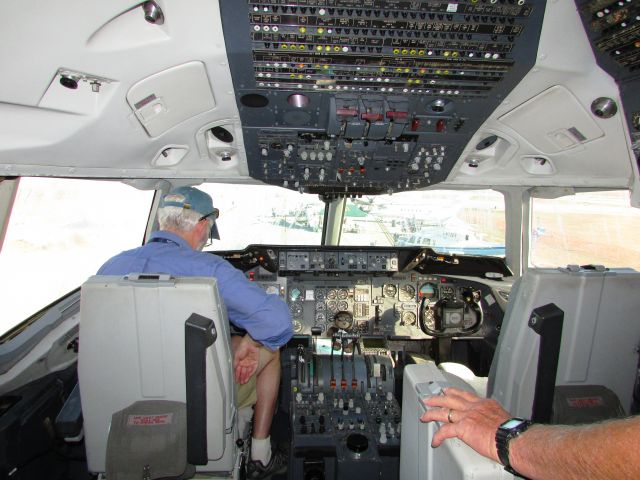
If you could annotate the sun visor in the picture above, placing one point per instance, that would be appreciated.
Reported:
(553, 121)
(167, 98)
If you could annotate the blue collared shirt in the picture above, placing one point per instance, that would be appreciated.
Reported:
(266, 317)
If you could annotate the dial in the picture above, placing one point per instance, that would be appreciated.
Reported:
(320, 306)
(343, 293)
(407, 292)
(343, 320)
(296, 309)
(408, 318)
(389, 290)
(297, 326)
(332, 294)
(342, 305)
(332, 306)
(428, 291)
(320, 294)
(321, 317)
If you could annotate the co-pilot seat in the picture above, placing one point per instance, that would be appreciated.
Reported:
(137, 357)
(598, 348)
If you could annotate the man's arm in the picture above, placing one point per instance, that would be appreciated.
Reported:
(601, 451)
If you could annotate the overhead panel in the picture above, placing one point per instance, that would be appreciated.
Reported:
(344, 97)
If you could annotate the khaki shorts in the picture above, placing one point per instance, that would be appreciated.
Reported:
(246, 394)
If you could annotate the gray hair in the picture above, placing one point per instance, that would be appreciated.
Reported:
(177, 218)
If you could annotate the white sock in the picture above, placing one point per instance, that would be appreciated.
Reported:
(261, 449)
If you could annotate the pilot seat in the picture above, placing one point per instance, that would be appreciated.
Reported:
(156, 378)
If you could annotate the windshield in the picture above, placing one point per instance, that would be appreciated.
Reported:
(448, 221)
(264, 214)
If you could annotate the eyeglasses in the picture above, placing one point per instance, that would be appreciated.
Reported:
(215, 214)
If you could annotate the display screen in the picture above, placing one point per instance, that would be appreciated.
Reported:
(373, 343)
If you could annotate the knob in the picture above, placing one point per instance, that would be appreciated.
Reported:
(383, 438)
(321, 397)
(389, 396)
(351, 403)
(341, 403)
(264, 152)
(367, 396)
(298, 397)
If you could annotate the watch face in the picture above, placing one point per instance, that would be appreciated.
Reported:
(512, 423)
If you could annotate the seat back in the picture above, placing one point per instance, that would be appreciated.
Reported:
(132, 348)
(599, 338)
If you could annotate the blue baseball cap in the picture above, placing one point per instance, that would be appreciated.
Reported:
(191, 198)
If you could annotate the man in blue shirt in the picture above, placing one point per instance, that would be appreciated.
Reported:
(187, 220)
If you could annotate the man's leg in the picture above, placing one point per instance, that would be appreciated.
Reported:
(267, 385)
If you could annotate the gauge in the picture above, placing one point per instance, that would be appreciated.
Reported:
(343, 293)
(408, 318)
(332, 294)
(296, 309)
(389, 290)
(321, 317)
(297, 326)
(407, 292)
(272, 289)
(320, 294)
(294, 294)
(342, 305)
(332, 306)
(447, 291)
(343, 320)
(429, 319)
(320, 306)
(428, 291)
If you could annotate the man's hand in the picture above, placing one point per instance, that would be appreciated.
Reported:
(472, 419)
(245, 359)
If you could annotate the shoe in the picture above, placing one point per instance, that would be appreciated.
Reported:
(278, 464)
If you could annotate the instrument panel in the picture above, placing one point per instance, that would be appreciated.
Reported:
(366, 292)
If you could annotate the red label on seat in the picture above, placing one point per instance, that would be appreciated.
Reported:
(585, 402)
(142, 420)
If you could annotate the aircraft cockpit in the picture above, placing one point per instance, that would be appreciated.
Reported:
(441, 193)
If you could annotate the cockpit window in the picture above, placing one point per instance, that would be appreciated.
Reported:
(263, 214)
(598, 228)
(448, 221)
(60, 232)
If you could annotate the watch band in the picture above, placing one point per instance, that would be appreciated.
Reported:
(505, 433)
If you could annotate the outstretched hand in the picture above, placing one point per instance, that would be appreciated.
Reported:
(245, 359)
(472, 419)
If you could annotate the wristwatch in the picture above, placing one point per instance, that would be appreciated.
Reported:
(505, 433)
